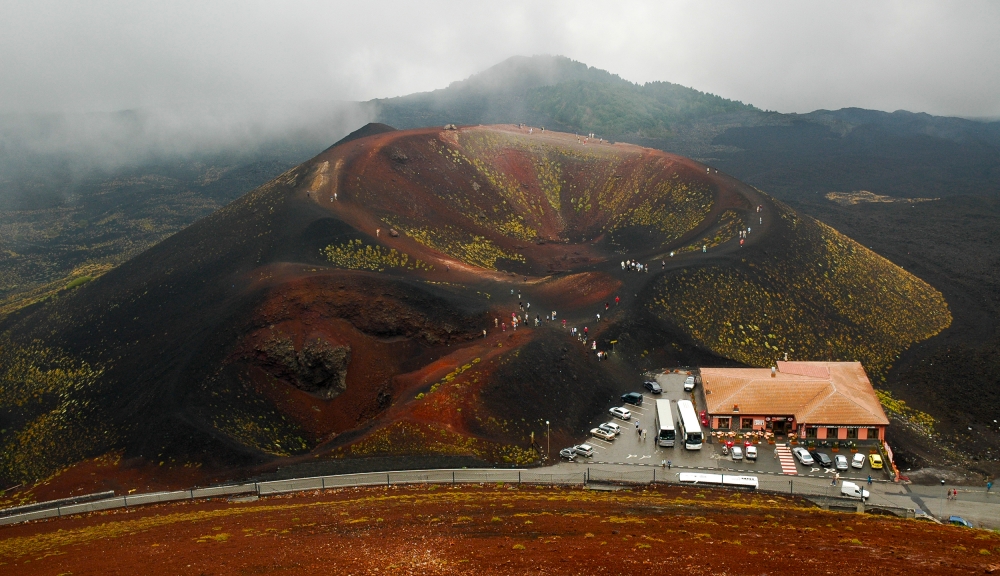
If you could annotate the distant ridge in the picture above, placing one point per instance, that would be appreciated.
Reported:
(369, 129)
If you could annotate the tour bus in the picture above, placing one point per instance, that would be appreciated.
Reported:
(690, 428)
(720, 479)
(665, 423)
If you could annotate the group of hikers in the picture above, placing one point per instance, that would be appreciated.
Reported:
(633, 266)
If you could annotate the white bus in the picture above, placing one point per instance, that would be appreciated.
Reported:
(665, 423)
(690, 428)
(720, 479)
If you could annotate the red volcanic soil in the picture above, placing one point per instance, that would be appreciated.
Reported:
(494, 530)
(579, 290)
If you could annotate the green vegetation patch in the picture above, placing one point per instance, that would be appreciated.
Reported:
(45, 396)
(901, 410)
(730, 224)
(356, 255)
(469, 248)
(816, 295)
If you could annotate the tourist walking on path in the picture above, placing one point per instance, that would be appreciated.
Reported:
(989, 486)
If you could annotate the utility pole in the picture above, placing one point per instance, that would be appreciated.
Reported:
(548, 443)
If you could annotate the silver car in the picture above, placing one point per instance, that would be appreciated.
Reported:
(621, 413)
(803, 455)
(840, 462)
(585, 450)
(858, 461)
(568, 453)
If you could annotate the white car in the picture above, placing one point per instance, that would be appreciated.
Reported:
(737, 453)
(803, 455)
(858, 461)
(621, 412)
(585, 450)
(611, 427)
(840, 462)
(602, 434)
(689, 384)
(751, 453)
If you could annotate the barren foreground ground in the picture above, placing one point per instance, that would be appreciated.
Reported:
(494, 530)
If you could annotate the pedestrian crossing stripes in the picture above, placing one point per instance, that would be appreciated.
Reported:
(786, 459)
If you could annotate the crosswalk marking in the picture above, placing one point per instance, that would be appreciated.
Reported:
(786, 459)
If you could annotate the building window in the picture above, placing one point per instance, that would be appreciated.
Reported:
(873, 433)
(812, 432)
(832, 433)
(746, 423)
(852, 433)
(724, 423)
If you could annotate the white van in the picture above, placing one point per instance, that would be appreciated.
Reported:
(852, 490)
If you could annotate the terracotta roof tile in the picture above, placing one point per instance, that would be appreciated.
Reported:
(814, 392)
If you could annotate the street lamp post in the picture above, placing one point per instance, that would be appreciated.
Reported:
(548, 443)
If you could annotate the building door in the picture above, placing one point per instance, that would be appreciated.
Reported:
(781, 427)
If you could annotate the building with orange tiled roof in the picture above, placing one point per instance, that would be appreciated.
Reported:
(822, 400)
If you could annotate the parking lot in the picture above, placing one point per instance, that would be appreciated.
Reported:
(630, 448)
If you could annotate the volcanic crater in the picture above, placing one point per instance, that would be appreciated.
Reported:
(361, 305)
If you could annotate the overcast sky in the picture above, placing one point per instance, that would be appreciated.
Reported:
(99, 55)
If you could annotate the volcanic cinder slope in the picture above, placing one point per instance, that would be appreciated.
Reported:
(339, 311)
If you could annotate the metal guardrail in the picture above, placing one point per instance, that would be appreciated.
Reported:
(53, 503)
(640, 476)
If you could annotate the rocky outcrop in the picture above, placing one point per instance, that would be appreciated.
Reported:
(319, 367)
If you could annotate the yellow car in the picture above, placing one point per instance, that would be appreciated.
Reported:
(875, 460)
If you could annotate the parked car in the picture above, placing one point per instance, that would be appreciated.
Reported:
(803, 456)
(653, 387)
(704, 418)
(840, 462)
(602, 434)
(737, 453)
(959, 521)
(585, 450)
(633, 398)
(689, 384)
(875, 461)
(822, 458)
(611, 427)
(621, 413)
(751, 453)
(858, 461)
(568, 453)
(852, 490)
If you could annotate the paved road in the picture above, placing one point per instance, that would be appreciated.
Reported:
(980, 508)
